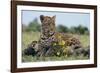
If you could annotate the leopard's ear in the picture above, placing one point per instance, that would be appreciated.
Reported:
(54, 17)
(41, 18)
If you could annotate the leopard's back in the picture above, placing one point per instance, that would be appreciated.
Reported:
(69, 39)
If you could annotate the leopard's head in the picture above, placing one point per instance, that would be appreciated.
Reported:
(48, 25)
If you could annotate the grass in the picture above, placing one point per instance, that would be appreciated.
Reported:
(85, 40)
(53, 58)
(28, 37)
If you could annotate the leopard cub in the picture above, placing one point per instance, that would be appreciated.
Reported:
(49, 35)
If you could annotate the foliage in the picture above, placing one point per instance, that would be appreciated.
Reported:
(60, 54)
(32, 26)
(79, 30)
(62, 28)
(74, 29)
(35, 26)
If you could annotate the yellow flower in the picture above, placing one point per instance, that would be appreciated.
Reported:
(58, 53)
(54, 44)
(66, 55)
(62, 42)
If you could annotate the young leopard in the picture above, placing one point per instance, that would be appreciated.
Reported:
(49, 36)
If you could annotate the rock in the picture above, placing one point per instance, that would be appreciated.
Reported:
(29, 51)
(82, 51)
(32, 49)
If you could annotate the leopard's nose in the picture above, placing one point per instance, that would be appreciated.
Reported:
(47, 30)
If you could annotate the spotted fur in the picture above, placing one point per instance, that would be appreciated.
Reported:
(49, 33)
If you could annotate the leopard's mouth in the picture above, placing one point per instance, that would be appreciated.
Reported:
(52, 33)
